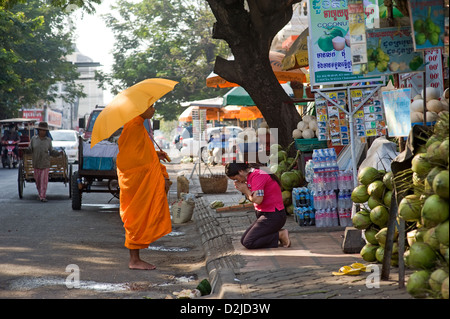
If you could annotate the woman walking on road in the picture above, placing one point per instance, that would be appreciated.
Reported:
(41, 149)
(264, 191)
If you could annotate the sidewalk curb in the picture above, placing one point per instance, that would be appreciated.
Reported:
(220, 258)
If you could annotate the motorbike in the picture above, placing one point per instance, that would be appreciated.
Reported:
(9, 157)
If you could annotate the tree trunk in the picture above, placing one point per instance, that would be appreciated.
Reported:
(249, 32)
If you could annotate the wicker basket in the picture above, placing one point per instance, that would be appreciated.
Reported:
(214, 184)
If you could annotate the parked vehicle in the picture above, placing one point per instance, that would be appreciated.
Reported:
(9, 156)
(91, 120)
(214, 137)
(186, 133)
(68, 140)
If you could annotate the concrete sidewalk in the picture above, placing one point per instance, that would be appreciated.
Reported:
(303, 271)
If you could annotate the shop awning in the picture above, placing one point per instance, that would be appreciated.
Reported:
(299, 75)
(239, 96)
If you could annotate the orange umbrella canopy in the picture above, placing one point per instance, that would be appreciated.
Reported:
(276, 58)
(212, 113)
(241, 113)
(127, 105)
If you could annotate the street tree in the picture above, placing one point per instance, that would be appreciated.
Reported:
(249, 26)
(34, 40)
(168, 39)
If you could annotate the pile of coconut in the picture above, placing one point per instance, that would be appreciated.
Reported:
(435, 104)
(306, 128)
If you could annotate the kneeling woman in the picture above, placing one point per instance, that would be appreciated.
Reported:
(264, 191)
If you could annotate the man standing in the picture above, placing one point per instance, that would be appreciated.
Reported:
(144, 183)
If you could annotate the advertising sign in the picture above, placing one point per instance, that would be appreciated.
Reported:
(427, 22)
(434, 76)
(36, 114)
(390, 50)
(328, 49)
(396, 106)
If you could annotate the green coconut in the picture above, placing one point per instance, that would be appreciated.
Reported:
(422, 256)
(275, 148)
(444, 151)
(374, 202)
(379, 216)
(417, 285)
(368, 175)
(387, 198)
(444, 288)
(361, 220)
(440, 184)
(410, 207)
(437, 277)
(282, 156)
(289, 180)
(406, 258)
(435, 210)
(368, 252)
(430, 177)
(421, 164)
(287, 198)
(431, 140)
(420, 232)
(381, 236)
(388, 180)
(433, 150)
(379, 254)
(376, 189)
(369, 234)
(290, 209)
(359, 194)
(430, 238)
(442, 233)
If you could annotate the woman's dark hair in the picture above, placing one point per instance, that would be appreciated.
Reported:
(232, 169)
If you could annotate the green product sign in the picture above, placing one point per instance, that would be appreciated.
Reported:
(328, 49)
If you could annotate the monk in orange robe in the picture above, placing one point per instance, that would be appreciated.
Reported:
(143, 182)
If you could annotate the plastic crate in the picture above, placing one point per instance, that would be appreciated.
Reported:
(307, 145)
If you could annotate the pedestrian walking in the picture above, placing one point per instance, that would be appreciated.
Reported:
(41, 149)
(264, 191)
(144, 183)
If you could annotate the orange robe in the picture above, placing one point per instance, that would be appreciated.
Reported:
(144, 208)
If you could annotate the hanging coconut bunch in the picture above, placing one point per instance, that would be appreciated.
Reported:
(373, 195)
(435, 105)
(426, 212)
(306, 128)
(285, 168)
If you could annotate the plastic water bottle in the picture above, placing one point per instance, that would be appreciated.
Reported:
(348, 199)
(315, 158)
(312, 216)
(334, 217)
(307, 216)
(301, 217)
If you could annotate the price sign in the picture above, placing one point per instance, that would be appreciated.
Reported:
(434, 77)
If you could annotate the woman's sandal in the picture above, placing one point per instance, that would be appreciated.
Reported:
(353, 270)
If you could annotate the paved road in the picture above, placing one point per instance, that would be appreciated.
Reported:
(38, 241)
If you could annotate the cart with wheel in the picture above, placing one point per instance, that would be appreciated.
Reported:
(60, 171)
(96, 171)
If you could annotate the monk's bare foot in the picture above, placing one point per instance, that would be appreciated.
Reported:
(141, 265)
(137, 263)
(283, 235)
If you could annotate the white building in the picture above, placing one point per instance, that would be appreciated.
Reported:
(298, 23)
(82, 107)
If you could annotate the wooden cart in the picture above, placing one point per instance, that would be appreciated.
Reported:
(92, 180)
(60, 171)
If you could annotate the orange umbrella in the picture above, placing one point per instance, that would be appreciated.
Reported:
(212, 113)
(276, 58)
(241, 113)
(127, 105)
